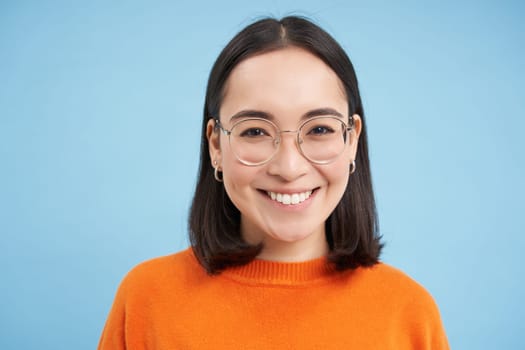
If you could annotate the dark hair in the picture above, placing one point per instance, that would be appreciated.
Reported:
(214, 221)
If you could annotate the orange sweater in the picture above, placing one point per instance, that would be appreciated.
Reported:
(171, 303)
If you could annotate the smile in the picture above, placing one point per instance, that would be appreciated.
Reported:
(289, 198)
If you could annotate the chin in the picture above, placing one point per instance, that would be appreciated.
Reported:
(290, 236)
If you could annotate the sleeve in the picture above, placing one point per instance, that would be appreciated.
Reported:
(426, 331)
(114, 333)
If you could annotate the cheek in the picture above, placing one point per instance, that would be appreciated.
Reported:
(229, 164)
(351, 152)
(238, 179)
(336, 174)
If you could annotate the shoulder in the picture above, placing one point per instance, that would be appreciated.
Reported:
(401, 295)
(387, 276)
(170, 270)
(163, 264)
(403, 305)
(389, 285)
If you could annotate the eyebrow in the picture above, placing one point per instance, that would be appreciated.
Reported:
(251, 113)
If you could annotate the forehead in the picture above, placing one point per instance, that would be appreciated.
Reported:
(286, 82)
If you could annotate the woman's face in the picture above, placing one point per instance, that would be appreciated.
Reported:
(285, 85)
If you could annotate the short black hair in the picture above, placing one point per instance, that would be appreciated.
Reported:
(214, 221)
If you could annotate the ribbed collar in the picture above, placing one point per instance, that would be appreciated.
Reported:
(264, 272)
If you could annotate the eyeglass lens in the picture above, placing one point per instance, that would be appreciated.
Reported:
(255, 141)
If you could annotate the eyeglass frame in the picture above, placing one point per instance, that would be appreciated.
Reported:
(347, 129)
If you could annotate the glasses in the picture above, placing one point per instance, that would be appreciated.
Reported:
(255, 141)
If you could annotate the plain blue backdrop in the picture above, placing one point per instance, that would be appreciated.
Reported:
(100, 112)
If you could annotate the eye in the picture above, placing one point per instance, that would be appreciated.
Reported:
(320, 130)
(253, 132)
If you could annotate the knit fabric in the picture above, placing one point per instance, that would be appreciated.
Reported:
(171, 303)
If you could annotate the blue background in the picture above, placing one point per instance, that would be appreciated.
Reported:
(100, 112)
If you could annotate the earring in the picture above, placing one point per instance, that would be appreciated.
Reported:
(216, 174)
(352, 167)
(216, 171)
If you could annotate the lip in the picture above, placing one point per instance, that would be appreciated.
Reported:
(289, 191)
(290, 207)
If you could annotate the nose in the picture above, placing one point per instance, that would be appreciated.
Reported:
(288, 163)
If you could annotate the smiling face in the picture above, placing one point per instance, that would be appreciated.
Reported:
(285, 202)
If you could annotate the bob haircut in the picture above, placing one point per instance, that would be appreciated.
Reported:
(214, 221)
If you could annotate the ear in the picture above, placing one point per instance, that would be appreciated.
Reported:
(354, 136)
(214, 146)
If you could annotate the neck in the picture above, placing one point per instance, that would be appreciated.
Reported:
(311, 247)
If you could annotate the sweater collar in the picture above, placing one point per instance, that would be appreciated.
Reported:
(283, 273)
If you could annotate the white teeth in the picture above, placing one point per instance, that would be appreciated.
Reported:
(287, 199)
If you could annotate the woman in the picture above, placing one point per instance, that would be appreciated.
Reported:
(284, 245)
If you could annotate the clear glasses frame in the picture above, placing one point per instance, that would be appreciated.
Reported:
(347, 128)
